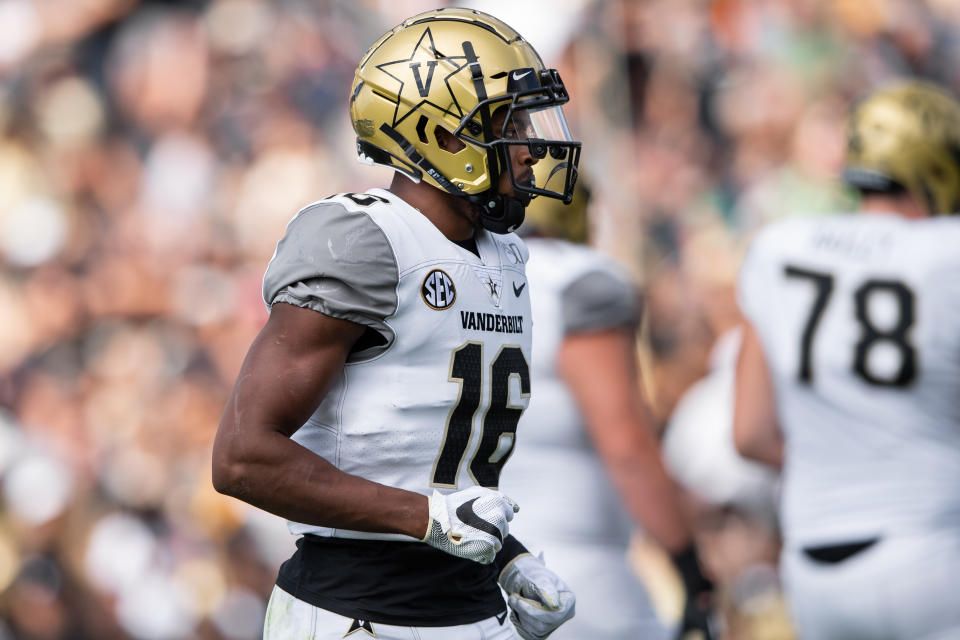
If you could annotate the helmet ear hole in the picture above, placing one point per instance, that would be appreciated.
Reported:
(446, 140)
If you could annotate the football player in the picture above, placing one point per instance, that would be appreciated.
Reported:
(380, 402)
(849, 377)
(588, 436)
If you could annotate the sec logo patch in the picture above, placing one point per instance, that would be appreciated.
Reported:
(438, 290)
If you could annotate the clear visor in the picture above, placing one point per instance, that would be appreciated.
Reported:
(544, 123)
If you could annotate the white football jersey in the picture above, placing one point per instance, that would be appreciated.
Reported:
(859, 318)
(432, 395)
(557, 477)
(569, 507)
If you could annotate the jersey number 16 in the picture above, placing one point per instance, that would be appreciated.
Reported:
(499, 421)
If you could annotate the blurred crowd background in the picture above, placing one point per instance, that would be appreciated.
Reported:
(151, 153)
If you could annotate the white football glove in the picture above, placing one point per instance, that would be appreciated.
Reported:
(539, 600)
(470, 524)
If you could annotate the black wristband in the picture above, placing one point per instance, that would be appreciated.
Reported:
(511, 549)
(688, 565)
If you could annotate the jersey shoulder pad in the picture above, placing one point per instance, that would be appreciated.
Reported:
(358, 201)
(758, 267)
(596, 293)
(335, 259)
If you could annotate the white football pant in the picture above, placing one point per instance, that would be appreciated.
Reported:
(289, 618)
(901, 588)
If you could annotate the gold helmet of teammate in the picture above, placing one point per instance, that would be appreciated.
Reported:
(907, 136)
(551, 217)
(462, 70)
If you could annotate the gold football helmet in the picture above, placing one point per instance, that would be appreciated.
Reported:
(907, 136)
(463, 70)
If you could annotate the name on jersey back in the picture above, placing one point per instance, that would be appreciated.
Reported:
(857, 244)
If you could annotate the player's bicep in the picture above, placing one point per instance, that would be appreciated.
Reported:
(289, 369)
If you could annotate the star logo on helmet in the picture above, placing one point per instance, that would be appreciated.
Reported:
(417, 74)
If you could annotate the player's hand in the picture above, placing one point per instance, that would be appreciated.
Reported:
(470, 524)
(697, 622)
(539, 600)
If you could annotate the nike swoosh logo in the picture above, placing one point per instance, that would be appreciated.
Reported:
(518, 290)
(518, 76)
(467, 515)
(501, 619)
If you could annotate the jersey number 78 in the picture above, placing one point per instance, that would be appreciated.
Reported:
(870, 335)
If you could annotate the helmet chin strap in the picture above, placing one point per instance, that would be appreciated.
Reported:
(500, 213)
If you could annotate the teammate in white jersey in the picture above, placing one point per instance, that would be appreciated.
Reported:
(380, 402)
(588, 436)
(850, 377)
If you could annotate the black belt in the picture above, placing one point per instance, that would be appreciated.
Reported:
(837, 553)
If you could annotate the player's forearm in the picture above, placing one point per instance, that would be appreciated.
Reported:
(601, 372)
(651, 497)
(282, 477)
(512, 548)
(756, 433)
(764, 448)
